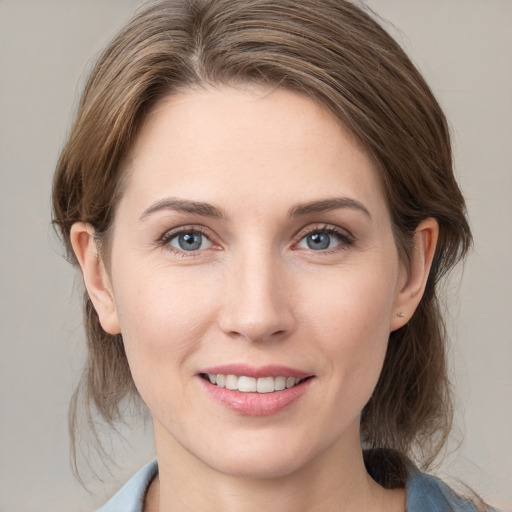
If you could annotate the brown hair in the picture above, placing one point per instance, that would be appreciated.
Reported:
(334, 52)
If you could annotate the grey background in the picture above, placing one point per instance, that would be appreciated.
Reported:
(463, 48)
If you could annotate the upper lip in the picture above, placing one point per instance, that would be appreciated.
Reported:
(246, 370)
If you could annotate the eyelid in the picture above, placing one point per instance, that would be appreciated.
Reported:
(323, 227)
(164, 240)
(346, 238)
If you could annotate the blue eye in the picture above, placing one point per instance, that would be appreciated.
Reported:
(323, 239)
(189, 241)
(319, 241)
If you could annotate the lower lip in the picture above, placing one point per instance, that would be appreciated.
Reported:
(256, 404)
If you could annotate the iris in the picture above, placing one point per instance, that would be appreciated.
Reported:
(318, 241)
(190, 241)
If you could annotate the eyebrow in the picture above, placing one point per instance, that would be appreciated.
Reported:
(325, 205)
(184, 205)
(208, 210)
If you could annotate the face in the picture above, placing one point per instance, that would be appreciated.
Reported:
(252, 247)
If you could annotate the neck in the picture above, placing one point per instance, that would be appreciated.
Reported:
(336, 480)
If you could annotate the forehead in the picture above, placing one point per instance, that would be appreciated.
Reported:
(214, 141)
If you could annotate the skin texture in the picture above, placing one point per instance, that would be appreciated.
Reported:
(254, 293)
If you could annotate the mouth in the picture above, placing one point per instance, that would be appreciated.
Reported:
(255, 391)
(245, 384)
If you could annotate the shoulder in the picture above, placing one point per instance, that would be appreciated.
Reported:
(426, 493)
(130, 498)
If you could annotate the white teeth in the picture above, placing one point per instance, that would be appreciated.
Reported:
(280, 383)
(231, 382)
(247, 384)
(252, 385)
(265, 385)
(290, 382)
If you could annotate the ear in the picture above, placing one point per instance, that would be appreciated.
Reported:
(96, 279)
(411, 292)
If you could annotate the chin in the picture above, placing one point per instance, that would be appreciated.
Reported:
(258, 467)
(259, 460)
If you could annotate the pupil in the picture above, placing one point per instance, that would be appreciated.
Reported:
(318, 241)
(190, 241)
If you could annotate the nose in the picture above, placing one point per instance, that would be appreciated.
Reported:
(257, 299)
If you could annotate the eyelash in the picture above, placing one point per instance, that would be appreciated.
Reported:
(345, 239)
(165, 240)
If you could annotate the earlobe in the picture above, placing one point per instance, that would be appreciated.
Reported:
(410, 294)
(96, 279)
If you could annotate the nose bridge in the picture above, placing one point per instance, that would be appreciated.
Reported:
(257, 304)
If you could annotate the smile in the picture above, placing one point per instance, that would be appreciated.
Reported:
(245, 384)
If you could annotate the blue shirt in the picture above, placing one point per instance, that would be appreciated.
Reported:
(425, 493)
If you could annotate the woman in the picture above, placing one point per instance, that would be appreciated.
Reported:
(260, 197)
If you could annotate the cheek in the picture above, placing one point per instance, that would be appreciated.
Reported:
(163, 318)
(351, 320)
(354, 306)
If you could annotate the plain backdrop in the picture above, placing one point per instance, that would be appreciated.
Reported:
(464, 49)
